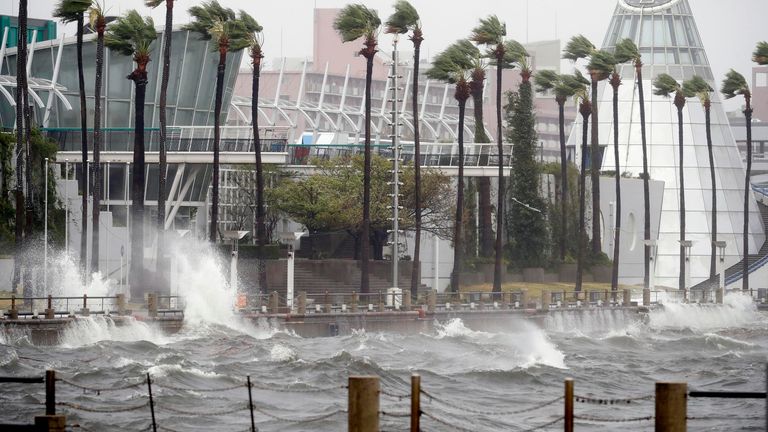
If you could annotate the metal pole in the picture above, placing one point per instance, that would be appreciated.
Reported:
(250, 404)
(127, 221)
(395, 167)
(289, 276)
(436, 275)
(107, 232)
(151, 403)
(45, 232)
(90, 190)
(66, 207)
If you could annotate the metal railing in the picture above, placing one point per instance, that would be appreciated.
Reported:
(52, 307)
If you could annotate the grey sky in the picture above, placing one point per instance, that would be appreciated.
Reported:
(729, 29)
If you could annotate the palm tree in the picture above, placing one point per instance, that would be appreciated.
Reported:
(257, 55)
(599, 67)
(699, 87)
(167, 39)
(734, 84)
(666, 86)
(760, 55)
(626, 49)
(22, 141)
(452, 65)
(564, 87)
(74, 11)
(131, 35)
(585, 109)
(229, 33)
(353, 22)
(405, 19)
(98, 21)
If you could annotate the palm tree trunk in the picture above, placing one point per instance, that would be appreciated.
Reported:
(161, 169)
(483, 183)
(96, 209)
(713, 179)
(680, 103)
(498, 252)
(365, 235)
(615, 83)
(416, 269)
(747, 196)
(21, 144)
(646, 180)
(563, 181)
(137, 191)
(458, 245)
(595, 173)
(214, 229)
(585, 109)
(261, 230)
(84, 149)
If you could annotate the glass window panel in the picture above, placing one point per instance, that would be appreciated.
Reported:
(659, 35)
(659, 57)
(692, 39)
(662, 134)
(670, 23)
(685, 56)
(680, 32)
(662, 156)
(696, 116)
(646, 35)
(117, 67)
(119, 113)
(661, 111)
(696, 218)
(692, 180)
(676, 72)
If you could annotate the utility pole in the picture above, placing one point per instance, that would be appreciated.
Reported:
(395, 166)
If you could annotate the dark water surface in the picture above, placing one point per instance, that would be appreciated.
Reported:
(485, 379)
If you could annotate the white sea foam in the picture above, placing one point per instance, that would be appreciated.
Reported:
(282, 353)
(737, 310)
(163, 370)
(89, 330)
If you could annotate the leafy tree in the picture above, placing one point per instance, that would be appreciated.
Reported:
(699, 87)
(74, 11)
(357, 21)
(405, 19)
(452, 65)
(527, 229)
(131, 35)
(229, 32)
(734, 85)
(666, 86)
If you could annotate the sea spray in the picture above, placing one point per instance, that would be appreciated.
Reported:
(595, 322)
(93, 329)
(737, 310)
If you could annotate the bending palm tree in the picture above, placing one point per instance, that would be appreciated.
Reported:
(667, 86)
(98, 21)
(131, 35)
(760, 55)
(734, 84)
(261, 230)
(229, 33)
(626, 49)
(698, 86)
(74, 11)
(406, 19)
(600, 67)
(452, 66)
(585, 109)
(167, 39)
(353, 22)
(22, 143)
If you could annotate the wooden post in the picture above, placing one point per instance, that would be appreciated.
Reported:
(327, 306)
(381, 302)
(51, 423)
(415, 402)
(354, 302)
(671, 406)
(13, 313)
(546, 299)
(568, 416)
(302, 310)
(766, 403)
(85, 311)
(152, 304)
(363, 404)
(506, 299)
(406, 300)
(151, 403)
(432, 301)
(718, 296)
(524, 299)
(274, 302)
(49, 312)
(121, 309)
(50, 392)
(646, 297)
(250, 404)
(627, 297)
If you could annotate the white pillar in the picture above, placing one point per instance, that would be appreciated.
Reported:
(289, 274)
(436, 274)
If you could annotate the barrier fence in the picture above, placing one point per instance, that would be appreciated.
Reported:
(372, 407)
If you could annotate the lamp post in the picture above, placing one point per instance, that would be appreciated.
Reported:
(235, 236)
(288, 238)
(127, 226)
(686, 244)
(652, 249)
(66, 207)
(721, 272)
(395, 169)
(45, 232)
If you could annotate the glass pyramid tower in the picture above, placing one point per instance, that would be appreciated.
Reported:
(666, 33)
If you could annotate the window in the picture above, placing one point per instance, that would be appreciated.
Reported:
(761, 79)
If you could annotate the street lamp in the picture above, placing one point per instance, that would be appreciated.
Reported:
(721, 272)
(652, 250)
(288, 238)
(686, 244)
(235, 236)
(66, 207)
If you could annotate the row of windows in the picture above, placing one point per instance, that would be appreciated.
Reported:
(654, 31)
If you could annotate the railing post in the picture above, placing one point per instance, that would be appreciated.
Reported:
(49, 312)
(152, 304)
(646, 297)
(406, 296)
(354, 301)
(506, 299)
(302, 310)
(363, 404)
(546, 299)
(327, 303)
(719, 298)
(568, 415)
(13, 313)
(50, 392)
(415, 403)
(381, 302)
(432, 301)
(121, 304)
(671, 406)
(85, 311)
(274, 302)
(627, 297)
(524, 299)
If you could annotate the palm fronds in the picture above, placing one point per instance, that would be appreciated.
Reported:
(698, 86)
(208, 16)
(578, 47)
(760, 56)
(546, 80)
(404, 19)
(601, 63)
(452, 64)
(626, 51)
(665, 85)
(153, 3)
(70, 10)
(490, 31)
(355, 21)
(734, 85)
(95, 13)
(515, 54)
(130, 34)
(242, 33)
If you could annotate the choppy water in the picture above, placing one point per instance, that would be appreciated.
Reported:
(480, 375)
(509, 366)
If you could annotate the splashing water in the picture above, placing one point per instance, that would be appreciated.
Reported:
(90, 330)
(737, 310)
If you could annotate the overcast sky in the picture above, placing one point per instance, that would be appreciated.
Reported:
(729, 29)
